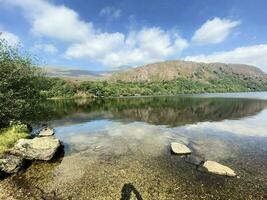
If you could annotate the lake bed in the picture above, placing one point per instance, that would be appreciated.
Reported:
(120, 148)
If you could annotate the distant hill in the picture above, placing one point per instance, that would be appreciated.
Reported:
(203, 72)
(212, 77)
(162, 78)
(76, 74)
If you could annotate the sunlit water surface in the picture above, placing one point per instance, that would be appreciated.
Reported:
(120, 149)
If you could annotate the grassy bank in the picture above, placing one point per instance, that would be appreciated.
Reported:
(10, 135)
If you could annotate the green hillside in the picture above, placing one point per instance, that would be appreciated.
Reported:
(167, 78)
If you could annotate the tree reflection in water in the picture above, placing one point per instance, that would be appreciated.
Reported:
(170, 111)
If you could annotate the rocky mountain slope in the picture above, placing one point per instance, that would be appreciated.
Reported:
(171, 70)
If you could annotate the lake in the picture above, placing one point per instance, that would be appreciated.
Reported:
(119, 148)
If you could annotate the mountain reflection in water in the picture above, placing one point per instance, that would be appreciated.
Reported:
(171, 111)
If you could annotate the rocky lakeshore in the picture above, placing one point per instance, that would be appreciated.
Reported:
(45, 145)
(209, 166)
(42, 147)
(104, 166)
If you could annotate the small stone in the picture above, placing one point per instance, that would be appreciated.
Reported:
(10, 163)
(39, 148)
(46, 132)
(217, 168)
(179, 148)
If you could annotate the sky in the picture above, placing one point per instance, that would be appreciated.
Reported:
(109, 34)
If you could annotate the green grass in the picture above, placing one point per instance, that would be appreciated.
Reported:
(9, 136)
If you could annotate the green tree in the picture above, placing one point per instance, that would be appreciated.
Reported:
(20, 84)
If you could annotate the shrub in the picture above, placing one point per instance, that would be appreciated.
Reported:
(20, 84)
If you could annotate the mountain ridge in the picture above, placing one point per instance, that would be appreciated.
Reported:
(165, 71)
(164, 78)
(171, 70)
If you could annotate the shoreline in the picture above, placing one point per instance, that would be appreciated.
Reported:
(200, 95)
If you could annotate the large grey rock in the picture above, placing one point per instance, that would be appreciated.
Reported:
(217, 168)
(46, 132)
(39, 148)
(10, 163)
(179, 148)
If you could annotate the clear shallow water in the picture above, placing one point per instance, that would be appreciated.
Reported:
(116, 148)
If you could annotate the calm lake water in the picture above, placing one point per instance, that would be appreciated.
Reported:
(120, 149)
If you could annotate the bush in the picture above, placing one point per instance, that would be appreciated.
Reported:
(20, 84)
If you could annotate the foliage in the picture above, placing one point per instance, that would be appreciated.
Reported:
(62, 88)
(10, 135)
(20, 84)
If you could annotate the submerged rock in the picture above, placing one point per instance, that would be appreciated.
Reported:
(46, 132)
(179, 148)
(10, 164)
(39, 148)
(217, 168)
(194, 160)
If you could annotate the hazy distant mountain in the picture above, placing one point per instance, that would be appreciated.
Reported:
(81, 74)
(170, 70)
(76, 74)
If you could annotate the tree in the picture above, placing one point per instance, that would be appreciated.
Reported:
(20, 84)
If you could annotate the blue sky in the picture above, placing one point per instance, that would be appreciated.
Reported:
(107, 34)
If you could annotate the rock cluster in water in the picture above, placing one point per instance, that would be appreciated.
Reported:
(208, 166)
(42, 147)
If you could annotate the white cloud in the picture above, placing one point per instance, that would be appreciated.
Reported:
(214, 31)
(10, 38)
(110, 49)
(47, 48)
(54, 21)
(135, 48)
(252, 55)
(110, 12)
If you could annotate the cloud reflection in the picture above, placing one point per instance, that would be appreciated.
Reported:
(250, 126)
(109, 142)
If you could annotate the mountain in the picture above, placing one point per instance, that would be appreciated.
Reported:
(76, 74)
(203, 72)
(181, 76)
(162, 78)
